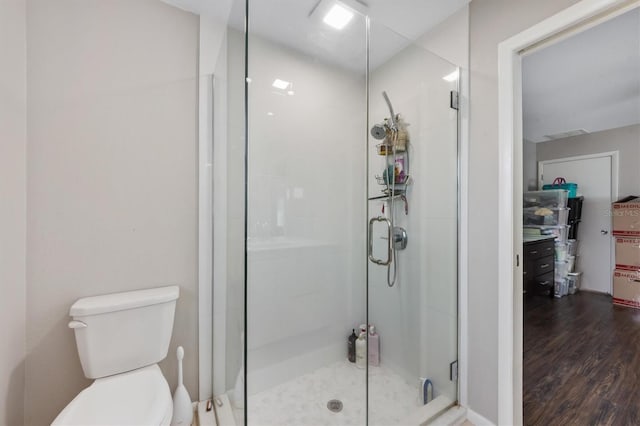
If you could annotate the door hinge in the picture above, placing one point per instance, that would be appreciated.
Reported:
(453, 371)
(517, 260)
(453, 99)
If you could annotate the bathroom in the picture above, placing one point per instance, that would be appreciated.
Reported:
(135, 133)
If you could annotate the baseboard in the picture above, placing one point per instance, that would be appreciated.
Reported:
(477, 419)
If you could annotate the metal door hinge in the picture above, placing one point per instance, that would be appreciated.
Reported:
(517, 260)
(453, 99)
(453, 370)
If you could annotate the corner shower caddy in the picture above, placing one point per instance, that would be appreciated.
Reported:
(395, 149)
(400, 186)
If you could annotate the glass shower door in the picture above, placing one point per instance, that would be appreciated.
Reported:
(413, 196)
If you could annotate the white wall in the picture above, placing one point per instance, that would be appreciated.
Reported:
(112, 109)
(491, 21)
(625, 140)
(13, 145)
(450, 38)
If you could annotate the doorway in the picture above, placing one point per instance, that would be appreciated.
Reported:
(510, 314)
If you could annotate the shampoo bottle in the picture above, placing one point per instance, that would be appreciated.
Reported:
(361, 349)
(351, 346)
(374, 347)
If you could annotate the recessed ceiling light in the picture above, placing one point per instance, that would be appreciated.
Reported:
(280, 84)
(270, 114)
(291, 93)
(338, 17)
(452, 77)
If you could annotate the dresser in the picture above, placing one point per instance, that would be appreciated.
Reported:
(538, 275)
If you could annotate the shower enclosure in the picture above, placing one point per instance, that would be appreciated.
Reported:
(342, 213)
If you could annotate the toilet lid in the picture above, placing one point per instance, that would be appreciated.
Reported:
(139, 397)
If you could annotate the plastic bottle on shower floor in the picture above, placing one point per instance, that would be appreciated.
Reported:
(351, 346)
(374, 347)
(361, 349)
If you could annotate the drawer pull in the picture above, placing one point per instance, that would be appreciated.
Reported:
(545, 282)
(544, 265)
(533, 252)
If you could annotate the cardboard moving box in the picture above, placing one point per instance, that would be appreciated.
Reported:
(626, 288)
(628, 253)
(626, 216)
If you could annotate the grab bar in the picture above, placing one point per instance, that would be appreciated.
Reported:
(389, 240)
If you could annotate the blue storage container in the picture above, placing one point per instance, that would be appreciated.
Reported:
(561, 183)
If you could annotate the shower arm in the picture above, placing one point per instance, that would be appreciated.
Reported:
(393, 115)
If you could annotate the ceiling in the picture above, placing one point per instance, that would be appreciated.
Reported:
(394, 24)
(589, 81)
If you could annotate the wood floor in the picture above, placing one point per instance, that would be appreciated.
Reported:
(581, 361)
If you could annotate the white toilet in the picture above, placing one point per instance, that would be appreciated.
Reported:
(120, 338)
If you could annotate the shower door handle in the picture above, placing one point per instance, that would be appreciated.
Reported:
(389, 240)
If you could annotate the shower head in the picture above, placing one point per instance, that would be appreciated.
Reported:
(378, 131)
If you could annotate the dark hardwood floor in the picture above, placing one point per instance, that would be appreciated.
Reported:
(581, 361)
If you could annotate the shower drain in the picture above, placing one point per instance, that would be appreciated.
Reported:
(335, 405)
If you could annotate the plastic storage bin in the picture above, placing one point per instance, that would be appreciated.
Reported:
(545, 216)
(560, 232)
(571, 187)
(573, 247)
(571, 260)
(550, 199)
(559, 288)
(561, 270)
(575, 204)
(574, 279)
(561, 251)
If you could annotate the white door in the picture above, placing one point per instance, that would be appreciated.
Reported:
(593, 174)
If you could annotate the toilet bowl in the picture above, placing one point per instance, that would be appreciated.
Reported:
(139, 397)
(120, 339)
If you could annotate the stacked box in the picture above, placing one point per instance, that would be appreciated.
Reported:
(626, 217)
(628, 253)
(626, 229)
(626, 288)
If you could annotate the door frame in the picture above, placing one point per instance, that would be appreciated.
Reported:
(574, 19)
(614, 156)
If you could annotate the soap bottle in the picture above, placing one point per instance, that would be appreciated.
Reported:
(361, 349)
(351, 346)
(374, 347)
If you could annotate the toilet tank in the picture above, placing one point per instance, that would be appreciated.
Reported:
(121, 332)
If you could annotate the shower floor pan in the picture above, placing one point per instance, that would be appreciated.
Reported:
(303, 400)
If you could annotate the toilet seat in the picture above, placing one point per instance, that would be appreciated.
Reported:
(138, 397)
